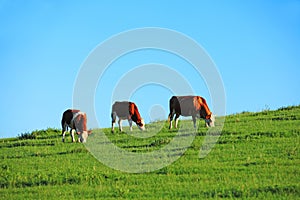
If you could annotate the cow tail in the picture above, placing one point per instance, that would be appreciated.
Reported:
(113, 117)
(172, 104)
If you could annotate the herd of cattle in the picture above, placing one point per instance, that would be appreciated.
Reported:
(194, 106)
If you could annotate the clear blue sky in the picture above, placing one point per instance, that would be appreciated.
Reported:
(254, 44)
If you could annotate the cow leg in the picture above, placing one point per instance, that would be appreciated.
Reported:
(63, 136)
(120, 124)
(64, 130)
(176, 120)
(113, 121)
(113, 127)
(170, 126)
(194, 121)
(170, 118)
(130, 124)
(72, 135)
(80, 138)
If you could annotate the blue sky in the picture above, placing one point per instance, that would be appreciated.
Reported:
(254, 44)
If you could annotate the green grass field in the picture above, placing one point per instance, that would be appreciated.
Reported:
(256, 157)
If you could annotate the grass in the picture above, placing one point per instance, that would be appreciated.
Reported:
(256, 157)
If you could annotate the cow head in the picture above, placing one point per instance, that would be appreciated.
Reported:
(82, 137)
(141, 124)
(210, 120)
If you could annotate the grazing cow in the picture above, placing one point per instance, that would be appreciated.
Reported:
(126, 110)
(76, 120)
(194, 106)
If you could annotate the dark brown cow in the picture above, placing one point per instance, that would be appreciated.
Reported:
(194, 106)
(126, 110)
(76, 120)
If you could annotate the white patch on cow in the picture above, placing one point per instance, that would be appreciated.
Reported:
(213, 119)
(83, 137)
(72, 134)
(142, 128)
(176, 122)
(64, 134)
(74, 117)
(210, 122)
(171, 126)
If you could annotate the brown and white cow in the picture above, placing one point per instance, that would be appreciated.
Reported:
(194, 106)
(76, 120)
(126, 110)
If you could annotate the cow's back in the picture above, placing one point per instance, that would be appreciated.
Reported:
(121, 108)
(68, 116)
(187, 105)
(183, 105)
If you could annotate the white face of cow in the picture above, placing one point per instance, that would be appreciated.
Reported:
(83, 136)
(210, 122)
(142, 128)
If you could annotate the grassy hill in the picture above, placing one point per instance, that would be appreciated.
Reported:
(256, 157)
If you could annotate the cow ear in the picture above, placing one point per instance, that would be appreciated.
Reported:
(90, 132)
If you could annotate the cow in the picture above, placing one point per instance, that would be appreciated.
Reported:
(194, 106)
(76, 121)
(126, 110)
